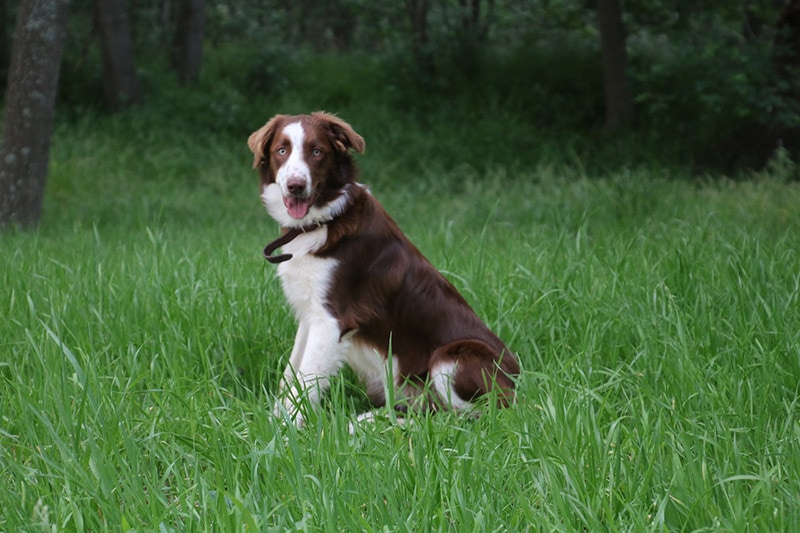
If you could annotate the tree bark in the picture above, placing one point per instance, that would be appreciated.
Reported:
(342, 21)
(786, 50)
(187, 50)
(120, 82)
(30, 109)
(418, 14)
(4, 48)
(475, 21)
(619, 100)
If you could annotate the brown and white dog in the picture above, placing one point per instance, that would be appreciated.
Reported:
(361, 291)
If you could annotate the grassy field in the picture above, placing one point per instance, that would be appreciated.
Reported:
(657, 319)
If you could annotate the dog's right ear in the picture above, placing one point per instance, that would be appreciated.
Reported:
(262, 137)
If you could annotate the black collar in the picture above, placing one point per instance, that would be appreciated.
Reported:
(287, 237)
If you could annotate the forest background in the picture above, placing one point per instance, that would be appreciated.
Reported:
(709, 85)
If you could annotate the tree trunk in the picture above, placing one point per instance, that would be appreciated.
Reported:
(619, 101)
(418, 14)
(187, 50)
(786, 49)
(474, 20)
(342, 20)
(4, 48)
(120, 82)
(29, 109)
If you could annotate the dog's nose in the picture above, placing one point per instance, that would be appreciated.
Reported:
(296, 187)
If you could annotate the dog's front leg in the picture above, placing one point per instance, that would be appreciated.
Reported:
(300, 341)
(317, 356)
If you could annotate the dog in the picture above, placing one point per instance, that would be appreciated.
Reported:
(362, 293)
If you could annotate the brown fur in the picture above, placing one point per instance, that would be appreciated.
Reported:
(383, 289)
(390, 290)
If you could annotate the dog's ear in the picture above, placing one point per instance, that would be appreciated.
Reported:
(262, 137)
(342, 133)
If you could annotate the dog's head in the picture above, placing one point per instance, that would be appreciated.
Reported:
(307, 157)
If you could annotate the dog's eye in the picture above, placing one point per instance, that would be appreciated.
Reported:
(281, 151)
(316, 152)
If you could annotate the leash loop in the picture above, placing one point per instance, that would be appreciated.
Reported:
(287, 237)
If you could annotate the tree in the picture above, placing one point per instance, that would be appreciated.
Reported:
(475, 21)
(777, 125)
(30, 108)
(120, 82)
(342, 22)
(619, 101)
(418, 14)
(187, 49)
(4, 51)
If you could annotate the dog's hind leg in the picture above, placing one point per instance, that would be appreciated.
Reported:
(463, 371)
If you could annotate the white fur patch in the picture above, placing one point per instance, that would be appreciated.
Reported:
(272, 197)
(442, 381)
(318, 351)
(373, 370)
(370, 417)
(305, 277)
(296, 166)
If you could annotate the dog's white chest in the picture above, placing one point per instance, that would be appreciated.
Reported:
(305, 277)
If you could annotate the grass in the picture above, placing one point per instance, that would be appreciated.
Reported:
(141, 333)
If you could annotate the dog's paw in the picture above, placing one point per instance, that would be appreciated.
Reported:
(381, 416)
(288, 413)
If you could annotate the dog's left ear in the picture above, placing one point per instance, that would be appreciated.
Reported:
(343, 134)
(260, 138)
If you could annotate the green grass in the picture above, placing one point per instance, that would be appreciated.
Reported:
(657, 320)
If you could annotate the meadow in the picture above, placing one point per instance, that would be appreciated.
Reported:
(656, 316)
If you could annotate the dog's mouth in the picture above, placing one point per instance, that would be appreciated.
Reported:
(298, 207)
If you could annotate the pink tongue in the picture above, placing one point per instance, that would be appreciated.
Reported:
(297, 207)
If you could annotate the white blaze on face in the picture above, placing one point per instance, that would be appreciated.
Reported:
(294, 173)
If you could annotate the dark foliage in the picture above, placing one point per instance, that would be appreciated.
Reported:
(698, 73)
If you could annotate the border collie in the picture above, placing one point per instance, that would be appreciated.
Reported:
(362, 293)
